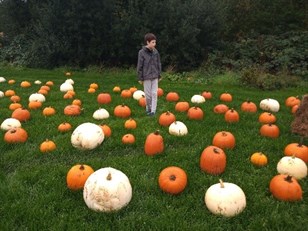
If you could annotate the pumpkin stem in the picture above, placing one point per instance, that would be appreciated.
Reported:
(221, 183)
(288, 179)
(216, 151)
(301, 141)
(156, 132)
(224, 133)
(81, 167)
(109, 177)
(172, 177)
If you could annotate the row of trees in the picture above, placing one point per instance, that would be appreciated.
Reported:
(50, 33)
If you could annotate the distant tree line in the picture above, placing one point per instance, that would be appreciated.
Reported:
(51, 33)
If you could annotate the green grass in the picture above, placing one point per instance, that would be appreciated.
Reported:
(33, 188)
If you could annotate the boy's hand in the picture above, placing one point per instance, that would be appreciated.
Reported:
(141, 82)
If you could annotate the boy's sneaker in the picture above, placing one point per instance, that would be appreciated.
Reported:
(148, 112)
(151, 114)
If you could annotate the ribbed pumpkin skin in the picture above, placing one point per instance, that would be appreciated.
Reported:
(270, 130)
(232, 116)
(122, 111)
(172, 180)
(16, 135)
(224, 139)
(166, 118)
(213, 160)
(77, 176)
(267, 118)
(154, 144)
(259, 159)
(285, 188)
(195, 113)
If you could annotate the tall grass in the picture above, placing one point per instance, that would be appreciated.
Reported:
(33, 188)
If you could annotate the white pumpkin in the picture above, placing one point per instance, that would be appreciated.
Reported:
(1, 94)
(70, 81)
(2, 79)
(37, 97)
(64, 87)
(138, 94)
(197, 99)
(87, 136)
(107, 190)
(226, 199)
(270, 105)
(293, 166)
(10, 123)
(178, 128)
(101, 114)
(37, 82)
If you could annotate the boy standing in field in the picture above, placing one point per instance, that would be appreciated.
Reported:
(149, 70)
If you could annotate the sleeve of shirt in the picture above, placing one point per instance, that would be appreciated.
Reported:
(140, 66)
(159, 66)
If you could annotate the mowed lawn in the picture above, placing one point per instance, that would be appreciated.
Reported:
(33, 191)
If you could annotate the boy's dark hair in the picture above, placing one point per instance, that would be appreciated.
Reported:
(149, 37)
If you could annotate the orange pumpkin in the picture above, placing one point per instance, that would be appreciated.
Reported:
(294, 109)
(34, 105)
(249, 106)
(122, 111)
(91, 90)
(9, 93)
(224, 139)
(64, 127)
(126, 93)
(172, 180)
(45, 87)
(14, 106)
(16, 135)
(292, 100)
(297, 149)
(43, 92)
(25, 84)
(267, 118)
(48, 111)
(213, 160)
(258, 159)
(220, 109)
(226, 97)
(116, 89)
(49, 83)
(133, 89)
(195, 113)
(130, 124)
(172, 97)
(11, 81)
(47, 146)
(285, 188)
(77, 102)
(77, 176)
(106, 129)
(104, 98)
(154, 144)
(15, 98)
(68, 96)
(166, 118)
(182, 106)
(72, 110)
(94, 86)
(21, 114)
(232, 116)
(160, 92)
(128, 139)
(142, 102)
(207, 94)
(269, 130)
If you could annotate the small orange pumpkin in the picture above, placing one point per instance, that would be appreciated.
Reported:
(15, 98)
(77, 176)
(116, 89)
(270, 130)
(43, 92)
(25, 84)
(285, 188)
(224, 140)
(64, 127)
(14, 106)
(182, 106)
(249, 106)
(11, 81)
(292, 100)
(128, 139)
(267, 118)
(298, 150)
(207, 94)
(21, 114)
(142, 102)
(45, 87)
(220, 109)
(91, 90)
(104, 98)
(94, 85)
(154, 144)
(106, 129)
(122, 111)
(126, 93)
(172, 97)
(47, 146)
(133, 89)
(48, 111)
(34, 105)
(166, 118)
(72, 110)
(259, 159)
(213, 160)
(226, 97)
(160, 92)
(232, 116)
(49, 83)
(172, 180)
(130, 124)
(16, 135)
(195, 113)
(77, 102)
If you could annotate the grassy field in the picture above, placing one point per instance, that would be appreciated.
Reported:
(33, 192)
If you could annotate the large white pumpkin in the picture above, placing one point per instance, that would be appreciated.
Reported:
(138, 94)
(197, 99)
(87, 136)
(101, 114)
(70, 81)
(37, 97)
(107, 190)
(178, 128)
(226, 199)
(293, 166)
(10, 123)
(2, 79)
(270, 105)
(1, 94)
(64, 87)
